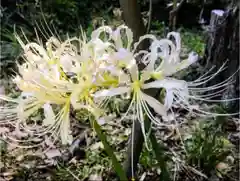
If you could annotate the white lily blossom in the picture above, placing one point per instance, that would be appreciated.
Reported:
(81, 74)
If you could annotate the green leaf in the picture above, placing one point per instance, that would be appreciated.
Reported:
(117, 166)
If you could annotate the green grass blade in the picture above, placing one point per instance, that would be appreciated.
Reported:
(117, 166)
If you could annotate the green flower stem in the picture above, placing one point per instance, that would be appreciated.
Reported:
(137, 147)
(161, 158)
(117, 166)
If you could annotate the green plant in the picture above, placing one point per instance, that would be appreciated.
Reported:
(193, 40)
(160, 27)
(207, 146)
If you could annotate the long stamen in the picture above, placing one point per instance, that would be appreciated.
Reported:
(204, 76)
(132, 148)
(141, 120)
(205, 113)
(208, 78)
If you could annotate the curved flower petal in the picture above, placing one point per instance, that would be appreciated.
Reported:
(148, 36)
(156, 105)
(65, 130)
(97, 32)
(173, 87)
(160, 50)
(67, 62)
(49, 115)
(53, 43)
(133, 69)
(123, 56)
(177, 38)
(169, 68)
(169, 99)
(167, 84)
(117, 37)
(192, 58)
(123, 78)
(37, 48)
(8, 99)
(99, 46)
(111, 92)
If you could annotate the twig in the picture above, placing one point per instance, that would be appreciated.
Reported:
(72, 174)
(149, 16)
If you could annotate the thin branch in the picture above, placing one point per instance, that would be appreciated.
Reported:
(173, 13)
(149, 16)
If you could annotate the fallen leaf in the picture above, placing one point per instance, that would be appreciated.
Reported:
(96, 146)
(95, 177)
(19, 134)
(222, 166)
(101, 121)
(4, 130)
(53, 153)
(2, 90)
(7, 174)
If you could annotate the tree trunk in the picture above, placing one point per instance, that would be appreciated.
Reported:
(222, 46)
(133, 19)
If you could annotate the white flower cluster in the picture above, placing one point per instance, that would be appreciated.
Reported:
(84, 74)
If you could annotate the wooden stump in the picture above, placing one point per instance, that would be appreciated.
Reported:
(223, 45)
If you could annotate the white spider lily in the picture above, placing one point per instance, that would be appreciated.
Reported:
(116, 36)
(84, 74)
(123, 52)
(169, 55)
(170, 64)
(18, 116)
(178, 92)
(45, 86)
(42, 81)
(140, 100)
